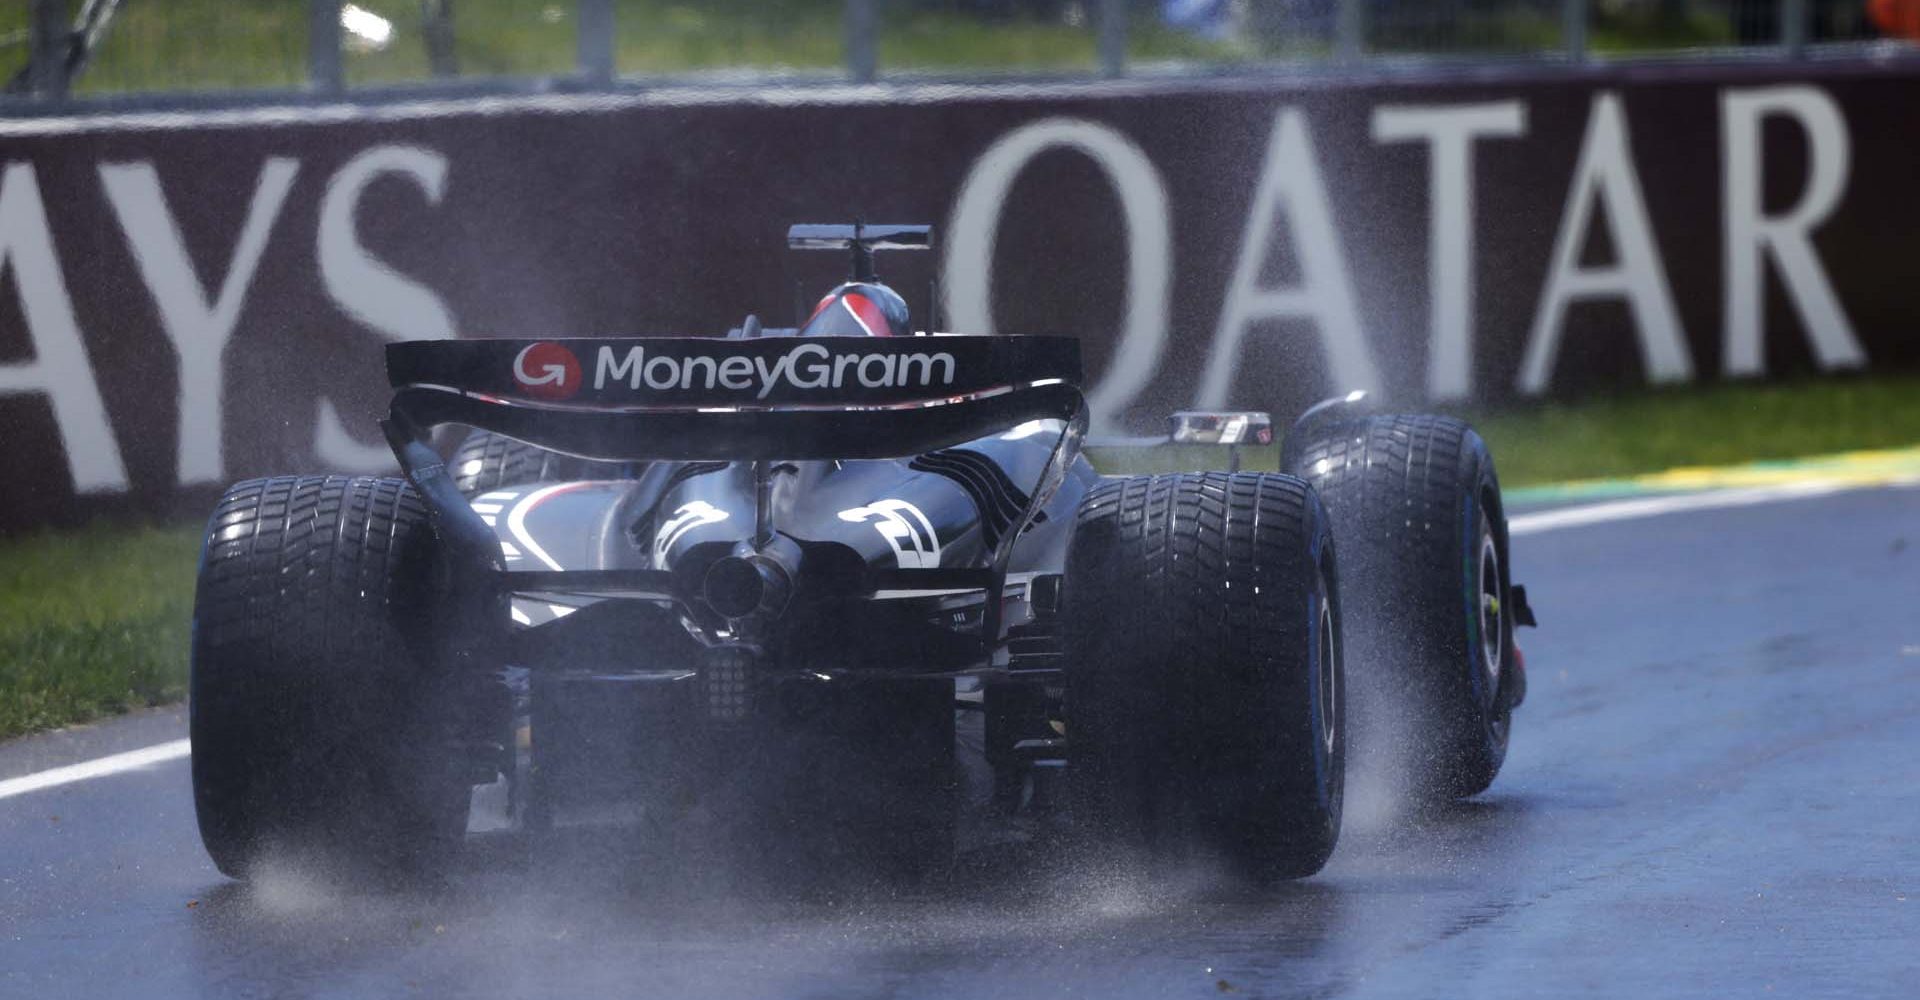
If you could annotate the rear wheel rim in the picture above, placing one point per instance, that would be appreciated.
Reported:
(1328, 666)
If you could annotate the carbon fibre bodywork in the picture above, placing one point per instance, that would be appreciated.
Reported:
(821, 465)
(853, 524)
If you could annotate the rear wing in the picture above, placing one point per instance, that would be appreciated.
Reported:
(706, 398)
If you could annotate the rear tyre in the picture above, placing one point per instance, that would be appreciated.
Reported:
(488, 461)
(1205, 697)
(324, 736)
(1417, 516)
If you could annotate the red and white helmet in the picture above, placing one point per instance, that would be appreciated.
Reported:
(859, 309)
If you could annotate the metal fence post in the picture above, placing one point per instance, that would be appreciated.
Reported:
(1573, 29)
(1112, 40)
(596, 41)
(325, 72)
(50, 43)
(436, 23)
(862, 26)
(1350, 30)
(1793, 27)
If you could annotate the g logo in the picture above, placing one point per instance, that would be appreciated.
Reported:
(547, 370)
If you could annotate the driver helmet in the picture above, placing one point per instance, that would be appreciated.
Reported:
(859, 309)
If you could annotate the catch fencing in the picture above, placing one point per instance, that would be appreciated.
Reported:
(55, 51)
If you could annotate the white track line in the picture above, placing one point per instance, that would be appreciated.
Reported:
(119, 763)
(1621, 510)
(1524, 524)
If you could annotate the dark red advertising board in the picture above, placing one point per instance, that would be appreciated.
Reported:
(187, 299)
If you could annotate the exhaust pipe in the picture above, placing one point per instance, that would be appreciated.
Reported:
(752, 587)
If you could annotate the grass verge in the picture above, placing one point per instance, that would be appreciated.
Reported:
(1655, 430)
(96, 622)
(93, 622)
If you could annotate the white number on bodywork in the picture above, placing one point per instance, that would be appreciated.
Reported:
(688, 517)
(905, 528)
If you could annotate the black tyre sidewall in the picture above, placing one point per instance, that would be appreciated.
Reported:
(1483, 720)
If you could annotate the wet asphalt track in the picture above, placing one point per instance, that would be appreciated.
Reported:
(1714, 791)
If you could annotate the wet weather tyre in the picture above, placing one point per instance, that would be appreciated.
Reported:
(1205, 698)
(322, 733)
(488, 461)
(1417, 516)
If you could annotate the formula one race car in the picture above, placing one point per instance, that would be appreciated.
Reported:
(844, 594)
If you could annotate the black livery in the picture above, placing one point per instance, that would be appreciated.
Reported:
(844, 592)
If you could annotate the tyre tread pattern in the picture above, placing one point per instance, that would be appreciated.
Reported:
(1182, 590)
(503, 461)
(1399, 488)
(310, 625)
